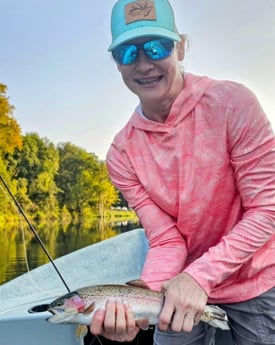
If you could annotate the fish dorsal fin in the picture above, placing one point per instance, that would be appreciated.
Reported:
(138, 283)
(89, 309)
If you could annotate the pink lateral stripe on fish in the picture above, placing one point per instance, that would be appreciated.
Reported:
(78, 307)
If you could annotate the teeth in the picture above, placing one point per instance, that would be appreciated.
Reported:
(148, 81)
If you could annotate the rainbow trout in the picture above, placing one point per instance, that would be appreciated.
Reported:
(79, 306)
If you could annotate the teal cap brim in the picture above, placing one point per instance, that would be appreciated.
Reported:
(143, 32)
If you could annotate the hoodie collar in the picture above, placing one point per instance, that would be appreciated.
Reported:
(191, 94)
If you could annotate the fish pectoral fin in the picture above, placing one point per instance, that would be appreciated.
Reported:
(89, 309)
(81, 332)
(143, 324)
(138, 283)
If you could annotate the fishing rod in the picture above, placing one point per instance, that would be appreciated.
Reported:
(34, 232)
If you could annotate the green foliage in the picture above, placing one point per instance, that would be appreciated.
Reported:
(37, 165)
(10, 134)
(82, 181)
(63, 182)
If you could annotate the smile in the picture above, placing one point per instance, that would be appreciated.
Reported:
(147, 81)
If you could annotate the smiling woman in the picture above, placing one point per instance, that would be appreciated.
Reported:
(190, 161)
(193, 157)
(42, 42)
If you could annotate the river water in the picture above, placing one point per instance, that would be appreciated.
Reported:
(20, 250)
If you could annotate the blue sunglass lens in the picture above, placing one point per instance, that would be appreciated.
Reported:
(125, 54)
(157, 49)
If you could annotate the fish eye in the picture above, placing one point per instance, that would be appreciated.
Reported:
(59, 303)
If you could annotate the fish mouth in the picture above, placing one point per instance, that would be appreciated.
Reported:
(41, 308)
(61, 317)
(55, 311)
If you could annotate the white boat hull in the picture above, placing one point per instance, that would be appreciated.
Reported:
(117, 260)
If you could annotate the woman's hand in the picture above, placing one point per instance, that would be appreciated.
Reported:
(184, 304)
(116, 322)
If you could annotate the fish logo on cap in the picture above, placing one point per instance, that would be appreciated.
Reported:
(140, 10)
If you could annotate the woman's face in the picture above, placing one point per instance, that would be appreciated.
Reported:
(154, 80)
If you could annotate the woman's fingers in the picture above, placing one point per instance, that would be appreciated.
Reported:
(120, 321)
(183, 305)
(176, 319)
(166, 316)
(96, 326)
(188, 323)
(131, 322)
(110, 316)
(116, 322)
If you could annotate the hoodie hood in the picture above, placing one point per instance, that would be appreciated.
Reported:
(191, 94)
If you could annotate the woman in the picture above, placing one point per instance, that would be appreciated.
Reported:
(196, 161)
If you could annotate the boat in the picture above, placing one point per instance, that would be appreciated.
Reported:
(116, 260)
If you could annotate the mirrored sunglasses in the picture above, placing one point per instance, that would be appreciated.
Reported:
(156, 49)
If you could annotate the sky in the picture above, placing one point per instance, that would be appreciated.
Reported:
(65, 86)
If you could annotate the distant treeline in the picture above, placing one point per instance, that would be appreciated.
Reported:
(51, 182)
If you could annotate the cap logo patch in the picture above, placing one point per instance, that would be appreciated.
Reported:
(140, 10)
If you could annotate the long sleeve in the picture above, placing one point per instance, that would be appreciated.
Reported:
(167, 249)
(203, 186)
(252, 152)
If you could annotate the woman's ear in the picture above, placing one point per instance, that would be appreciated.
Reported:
(181, 48)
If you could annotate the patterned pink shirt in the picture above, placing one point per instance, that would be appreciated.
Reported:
(203, 186)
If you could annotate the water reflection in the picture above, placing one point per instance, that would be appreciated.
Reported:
(16, 245)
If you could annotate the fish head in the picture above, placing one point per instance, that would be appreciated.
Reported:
(70, 302)
(70, 308)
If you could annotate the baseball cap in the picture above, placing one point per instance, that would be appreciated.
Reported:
(138, 18)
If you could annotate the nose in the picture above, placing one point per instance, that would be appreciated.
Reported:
(144, 62)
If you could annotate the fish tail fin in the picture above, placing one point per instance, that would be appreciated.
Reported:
(216, 317)
(220, 324)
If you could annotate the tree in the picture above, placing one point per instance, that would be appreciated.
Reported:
(10, 132)
(83, 181)
(75, 178)
(106, 193)
(10, 140)
(46, 179)
(38, 163)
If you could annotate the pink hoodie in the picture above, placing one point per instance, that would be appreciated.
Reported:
(203, 186)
